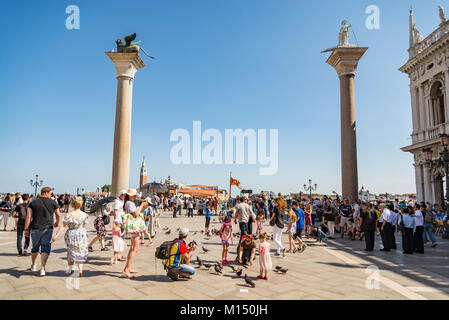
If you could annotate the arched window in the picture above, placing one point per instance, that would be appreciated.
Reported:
(437, 109)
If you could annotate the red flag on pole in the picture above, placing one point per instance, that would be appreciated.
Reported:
(235, 182)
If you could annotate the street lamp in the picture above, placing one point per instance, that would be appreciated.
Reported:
(78, 190)
(338, 197)
(441, 162)
(36, 184)
(310, 188)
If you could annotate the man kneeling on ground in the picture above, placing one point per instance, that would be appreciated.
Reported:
(246, 250)
(180, 255)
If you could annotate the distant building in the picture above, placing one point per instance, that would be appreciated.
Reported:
(143, 174)
(365, 195)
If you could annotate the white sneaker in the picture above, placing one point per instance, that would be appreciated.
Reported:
(68, 270)
(33, 267)
(42, 273)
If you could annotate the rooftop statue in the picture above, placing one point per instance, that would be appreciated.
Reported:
(130, 46)
(416, 35)
(442, 15)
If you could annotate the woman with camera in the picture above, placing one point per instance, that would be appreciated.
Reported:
(134, 225)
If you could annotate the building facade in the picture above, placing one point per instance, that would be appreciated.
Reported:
(428, 71)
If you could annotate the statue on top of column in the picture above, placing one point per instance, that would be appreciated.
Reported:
(130, 46)
(442, 15)
(416, 35)
(343, 36)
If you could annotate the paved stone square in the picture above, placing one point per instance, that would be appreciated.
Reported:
(333, 269)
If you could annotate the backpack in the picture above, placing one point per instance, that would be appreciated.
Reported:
(163, 251)
(225, 232)
(21, 209)
(428, 217)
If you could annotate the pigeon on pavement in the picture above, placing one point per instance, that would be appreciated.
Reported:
(249, 281)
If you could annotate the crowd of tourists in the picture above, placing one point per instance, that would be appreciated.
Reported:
(128, 217)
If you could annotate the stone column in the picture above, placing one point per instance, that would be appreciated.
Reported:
(446, 93)
(419, 182)
(427, 184)
(415, 112)
(126, 65)
(438, 192)
(345, 60)
(422, 110)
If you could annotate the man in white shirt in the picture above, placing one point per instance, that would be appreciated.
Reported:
(243, 212)
(179, 204)
(419, 229)
(385, 229)
(189, 208)
(118, 205)
(394, 221)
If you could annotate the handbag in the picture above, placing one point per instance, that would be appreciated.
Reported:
(106, 220)
(134, 225)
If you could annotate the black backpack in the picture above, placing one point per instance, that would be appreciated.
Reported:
(163, 251)
(21, 209)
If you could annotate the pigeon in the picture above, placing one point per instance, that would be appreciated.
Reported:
(217, 269)
(195, 232)
(177, 229)
(202, 231)
(200, 262)
(249, 281)
(165, 228)
(207, 266)
(233, 268)
(205, 249)
(168, 232)
(219, 264)
(278, 267)
(283, 270)
(239, 272)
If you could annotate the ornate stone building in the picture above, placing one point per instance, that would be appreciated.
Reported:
(428, 70)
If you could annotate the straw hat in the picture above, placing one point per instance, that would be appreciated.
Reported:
(132, 192)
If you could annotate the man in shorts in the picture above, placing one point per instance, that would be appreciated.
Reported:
(40, 219)
(345, 214)
(299, 225)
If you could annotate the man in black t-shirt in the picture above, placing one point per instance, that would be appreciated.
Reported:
(40, 220)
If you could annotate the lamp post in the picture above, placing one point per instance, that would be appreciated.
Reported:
(78, 190)
(36, 184)
(310, 188)
(442, 161)
(338, 197)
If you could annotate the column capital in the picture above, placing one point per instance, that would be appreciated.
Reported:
(126, 63)
(345, 60)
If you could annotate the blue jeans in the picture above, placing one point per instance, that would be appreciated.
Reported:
(20, 229)
(428, 228)
(41, 240)
(184, 268)
(321, 235)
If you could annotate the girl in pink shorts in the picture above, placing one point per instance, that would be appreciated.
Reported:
(226, 238)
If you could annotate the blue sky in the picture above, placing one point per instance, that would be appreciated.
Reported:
(230, 64)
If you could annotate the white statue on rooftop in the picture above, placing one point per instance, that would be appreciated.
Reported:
(416, 35)
(442, 15)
